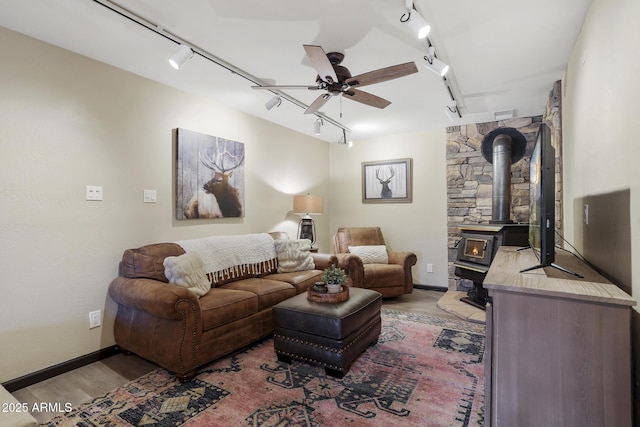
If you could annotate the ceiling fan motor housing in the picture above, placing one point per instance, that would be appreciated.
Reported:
(336, 88)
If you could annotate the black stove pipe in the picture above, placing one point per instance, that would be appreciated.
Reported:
(502, 147)
(501, 203)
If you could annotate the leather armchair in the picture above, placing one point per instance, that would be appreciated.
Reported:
(391, 280)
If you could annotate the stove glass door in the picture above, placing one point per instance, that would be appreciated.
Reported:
(475, 248)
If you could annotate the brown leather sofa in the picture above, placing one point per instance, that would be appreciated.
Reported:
(391, 279)
(174, 328)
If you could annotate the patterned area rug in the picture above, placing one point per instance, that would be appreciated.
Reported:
(424, 371)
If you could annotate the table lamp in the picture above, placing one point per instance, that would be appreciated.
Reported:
(307, 205)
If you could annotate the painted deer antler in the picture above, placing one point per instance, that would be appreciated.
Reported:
(218, 164)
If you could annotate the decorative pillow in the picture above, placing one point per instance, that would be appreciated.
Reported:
(187, 271)
(294, 255)
(374, 254)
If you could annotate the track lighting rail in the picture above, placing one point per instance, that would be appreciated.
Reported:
(212, 58)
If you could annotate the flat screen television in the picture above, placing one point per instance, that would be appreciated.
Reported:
(542, 207)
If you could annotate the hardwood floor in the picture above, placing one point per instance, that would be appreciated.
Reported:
(85, 383)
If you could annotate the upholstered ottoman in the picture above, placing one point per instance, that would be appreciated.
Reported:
(331, 335)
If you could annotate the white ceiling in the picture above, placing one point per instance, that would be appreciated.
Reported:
(503, 54)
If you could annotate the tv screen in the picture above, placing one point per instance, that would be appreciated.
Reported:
(542, 208)
(542, 197)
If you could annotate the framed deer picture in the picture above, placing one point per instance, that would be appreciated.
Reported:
(209, 176)
(387, 181)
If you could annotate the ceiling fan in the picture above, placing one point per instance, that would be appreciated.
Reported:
(336, 79)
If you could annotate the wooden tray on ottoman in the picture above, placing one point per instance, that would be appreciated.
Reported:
(341, 296)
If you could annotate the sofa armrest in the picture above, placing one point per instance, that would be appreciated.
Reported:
(323, 261)
(152, 296)
(354, 268)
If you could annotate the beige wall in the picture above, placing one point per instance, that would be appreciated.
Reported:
(420, 226)
(66, 122)
(600, 114)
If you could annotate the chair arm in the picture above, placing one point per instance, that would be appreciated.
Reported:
(406, 260)
(352, 264)
(152, 296)
(323, 261)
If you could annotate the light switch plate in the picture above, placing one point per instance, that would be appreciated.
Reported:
(93, 192)
(150, 196)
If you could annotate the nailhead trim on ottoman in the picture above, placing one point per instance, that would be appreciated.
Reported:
(331, 335)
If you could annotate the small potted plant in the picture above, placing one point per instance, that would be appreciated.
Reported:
(334, 277)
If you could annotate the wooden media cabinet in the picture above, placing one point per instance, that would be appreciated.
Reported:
(558, 348)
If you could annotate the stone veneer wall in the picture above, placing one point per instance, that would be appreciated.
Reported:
(470, 176)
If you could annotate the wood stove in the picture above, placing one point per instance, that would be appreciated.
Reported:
(477, 246)
(479, 243)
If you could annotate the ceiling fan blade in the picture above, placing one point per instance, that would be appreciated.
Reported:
(383, 74)
(317, 104)
(284, 87)
(321, 63)
(366, 98)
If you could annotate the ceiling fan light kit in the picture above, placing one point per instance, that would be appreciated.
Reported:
(182, 55)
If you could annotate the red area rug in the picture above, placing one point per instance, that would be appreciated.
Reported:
(424, 371)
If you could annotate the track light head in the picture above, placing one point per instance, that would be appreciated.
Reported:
(182, 55)
(317, 125)
(273, 102)
(418, 25)
(452, 111)
(416, 22)
(434, 64)
(344, 140)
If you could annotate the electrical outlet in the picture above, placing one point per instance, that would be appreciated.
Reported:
(586, 214)
(429, 268)
(95, 319)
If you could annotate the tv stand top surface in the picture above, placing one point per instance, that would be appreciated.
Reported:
(504, 275)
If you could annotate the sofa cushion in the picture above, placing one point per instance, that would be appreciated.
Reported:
(269, 292)
(148, 261)
(371, 254)
(221, 306)
(187, 271)
(294, 255)
(301, 280)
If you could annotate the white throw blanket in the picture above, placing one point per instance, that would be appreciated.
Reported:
(233, 256)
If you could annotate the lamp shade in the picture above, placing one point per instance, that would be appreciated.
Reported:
(307, 204)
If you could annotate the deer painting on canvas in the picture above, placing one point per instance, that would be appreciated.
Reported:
(210, 177)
